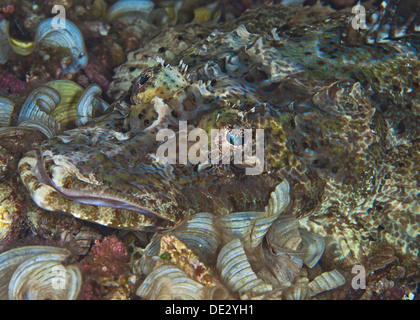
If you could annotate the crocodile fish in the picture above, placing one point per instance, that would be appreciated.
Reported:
(339, 109)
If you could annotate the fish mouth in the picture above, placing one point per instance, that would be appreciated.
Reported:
(96, 197)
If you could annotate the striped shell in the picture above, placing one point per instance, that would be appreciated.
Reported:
(66, 36)
(54, 107)
(38, 273)
(129, 9)
(170, 283)
(6, 110)
(236, 271)
(253, 255)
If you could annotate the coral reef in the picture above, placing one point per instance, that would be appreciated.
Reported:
(12, 84)
(107, 258)
(11, 215)
(106, 271)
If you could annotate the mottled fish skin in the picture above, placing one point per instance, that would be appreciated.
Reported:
(330, 112)
(83, 175)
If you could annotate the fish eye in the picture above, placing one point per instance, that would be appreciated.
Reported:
(235, 137)
(141, 80)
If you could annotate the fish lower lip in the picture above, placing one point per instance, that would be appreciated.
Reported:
(81, 197)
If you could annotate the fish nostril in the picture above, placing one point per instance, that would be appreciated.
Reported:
(401, 127)
(293, 124)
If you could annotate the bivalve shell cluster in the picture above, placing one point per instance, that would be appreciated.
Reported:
(54, 107)
(246, 255)
(38, 273)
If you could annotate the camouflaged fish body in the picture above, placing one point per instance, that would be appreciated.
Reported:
(337, 120)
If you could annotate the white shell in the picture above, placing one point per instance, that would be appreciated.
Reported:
(280, 269)
(279, 199)
(168, 283)
(325, 282)
(45, 278)
(85, 108)
(284, 235)
(313, 247)
(146, 263)
(251, 227)
(6, 110)
(60, 35)
(36, 109)
(201, 236)
(6, 51)
(11, 259)
(32, 124)
(128, 8)
(297, 292)
(236, 272)
(36, 272)
(68, 37)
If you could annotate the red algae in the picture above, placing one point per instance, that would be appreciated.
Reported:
(107, 258)
(13, 84)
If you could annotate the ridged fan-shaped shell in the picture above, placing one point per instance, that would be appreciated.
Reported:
(124, 8)
(147, 262)
(11, 259)
(325, 282)
(297, 292)
(313, 247)
(37, 108)
(284, 235)
(169, 282)
(251, 227)
(278, 268)
(45, 278)
(6, 51)
(60, 105)
(201, 236)
(279, 199)
(85, 107)
(6, 110)
(70, 93)
(36, 125)
(236, 272)
(20, 47)
(36, 272)
(69, 37)
(77, 105)
(48, 33)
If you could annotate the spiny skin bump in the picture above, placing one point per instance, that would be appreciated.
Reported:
(331, 116)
